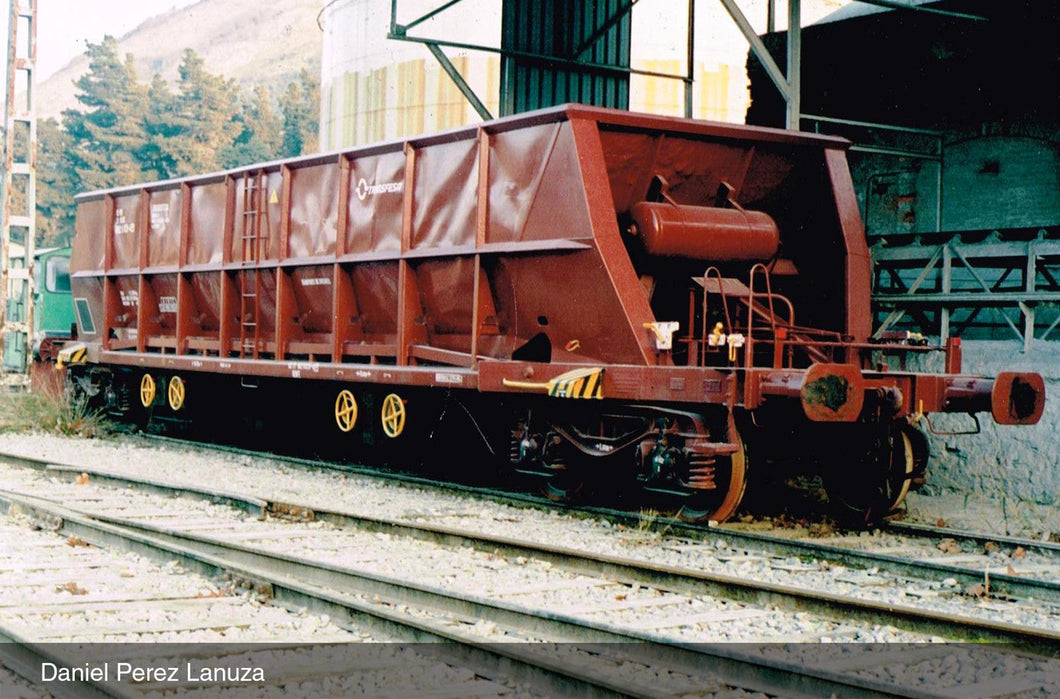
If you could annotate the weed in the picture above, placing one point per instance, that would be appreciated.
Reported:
(651, 521)
(51, 411)
(646, 521)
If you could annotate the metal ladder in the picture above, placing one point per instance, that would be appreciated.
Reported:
(250, 279)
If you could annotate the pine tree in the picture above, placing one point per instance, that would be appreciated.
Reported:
(156, 157)
(125, 132)
(106, 135)
(205, 117)
(259, 139)
(300, 105)
(55, 185)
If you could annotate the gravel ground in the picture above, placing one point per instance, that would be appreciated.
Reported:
(986, 515)
(42, 569)
(14, 687)
(338, 491)
(285, 482)
(333, 490)
(59, 591)
(36, 604)
(526, 583)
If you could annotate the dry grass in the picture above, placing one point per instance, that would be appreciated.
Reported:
(50, 411)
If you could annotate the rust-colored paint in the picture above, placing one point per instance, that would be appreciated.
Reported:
(832, 393)
(143, 228)
(706, 233)
(1017, 398)
(614, 256)
(183, 256)
(186, 311)
(413, 262)
(954, 355)
(286, 177)
(858, 267)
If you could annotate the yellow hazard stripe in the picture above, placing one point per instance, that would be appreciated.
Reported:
(72, 355)
(587, 386)
(594, 387)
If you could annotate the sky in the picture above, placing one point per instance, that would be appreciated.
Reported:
(65, 27)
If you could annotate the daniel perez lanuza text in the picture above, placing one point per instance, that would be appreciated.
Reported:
(127, 672)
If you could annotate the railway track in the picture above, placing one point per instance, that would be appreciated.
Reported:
(664, 608)
(431, 614)
(1006, 566)
(460, 667)
(72, 612)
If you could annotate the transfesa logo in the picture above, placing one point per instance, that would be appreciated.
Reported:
(364, 189)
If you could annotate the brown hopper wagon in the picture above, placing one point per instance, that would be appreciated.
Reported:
(652, 299)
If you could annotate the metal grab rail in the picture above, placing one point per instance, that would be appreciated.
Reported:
(701, 354)
(779, 343)
(820, 345)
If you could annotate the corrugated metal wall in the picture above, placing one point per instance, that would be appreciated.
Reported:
(560, 29)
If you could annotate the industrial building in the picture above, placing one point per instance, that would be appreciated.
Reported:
(955, 160)
(954, 110)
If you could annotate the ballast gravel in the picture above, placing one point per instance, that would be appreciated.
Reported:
(14, 687)
(521, 582)
(59, 590)
(332, 490)
(335, 490)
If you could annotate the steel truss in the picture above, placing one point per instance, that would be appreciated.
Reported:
(787, 83)
(20, 146)
(958, 284)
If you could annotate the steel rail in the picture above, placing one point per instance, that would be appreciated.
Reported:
(289, 591)
(929, 531)
(300, 582)
(1001, 583)
(675, 578)
(23, 657)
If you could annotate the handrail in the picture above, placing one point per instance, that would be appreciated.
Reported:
(702, 353)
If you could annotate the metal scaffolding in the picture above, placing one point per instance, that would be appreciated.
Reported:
(961, 284)
(20, 179)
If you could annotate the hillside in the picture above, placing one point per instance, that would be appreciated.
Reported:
(248, 40)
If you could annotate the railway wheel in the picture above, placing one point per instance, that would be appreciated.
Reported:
(345, 410)
(175, 393)
(566, 475)
(874, 486)
(919, 444)
(393, 415)
(147, 390)
(728, 473)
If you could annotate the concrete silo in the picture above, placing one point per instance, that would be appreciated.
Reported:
(374, 89)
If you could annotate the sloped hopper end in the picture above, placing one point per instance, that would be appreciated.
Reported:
(1017, 398)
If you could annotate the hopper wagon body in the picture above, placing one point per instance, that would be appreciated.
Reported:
(659, 300)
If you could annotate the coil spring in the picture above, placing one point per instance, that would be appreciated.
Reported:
(701, 469)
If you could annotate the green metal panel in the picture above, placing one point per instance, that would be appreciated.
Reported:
(557, 51)
(54, 310)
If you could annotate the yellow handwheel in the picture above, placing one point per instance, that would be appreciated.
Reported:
(393, 415)
(147, 391)
(176, 393)
(345, 410)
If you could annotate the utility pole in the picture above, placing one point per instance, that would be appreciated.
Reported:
(19, 180)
